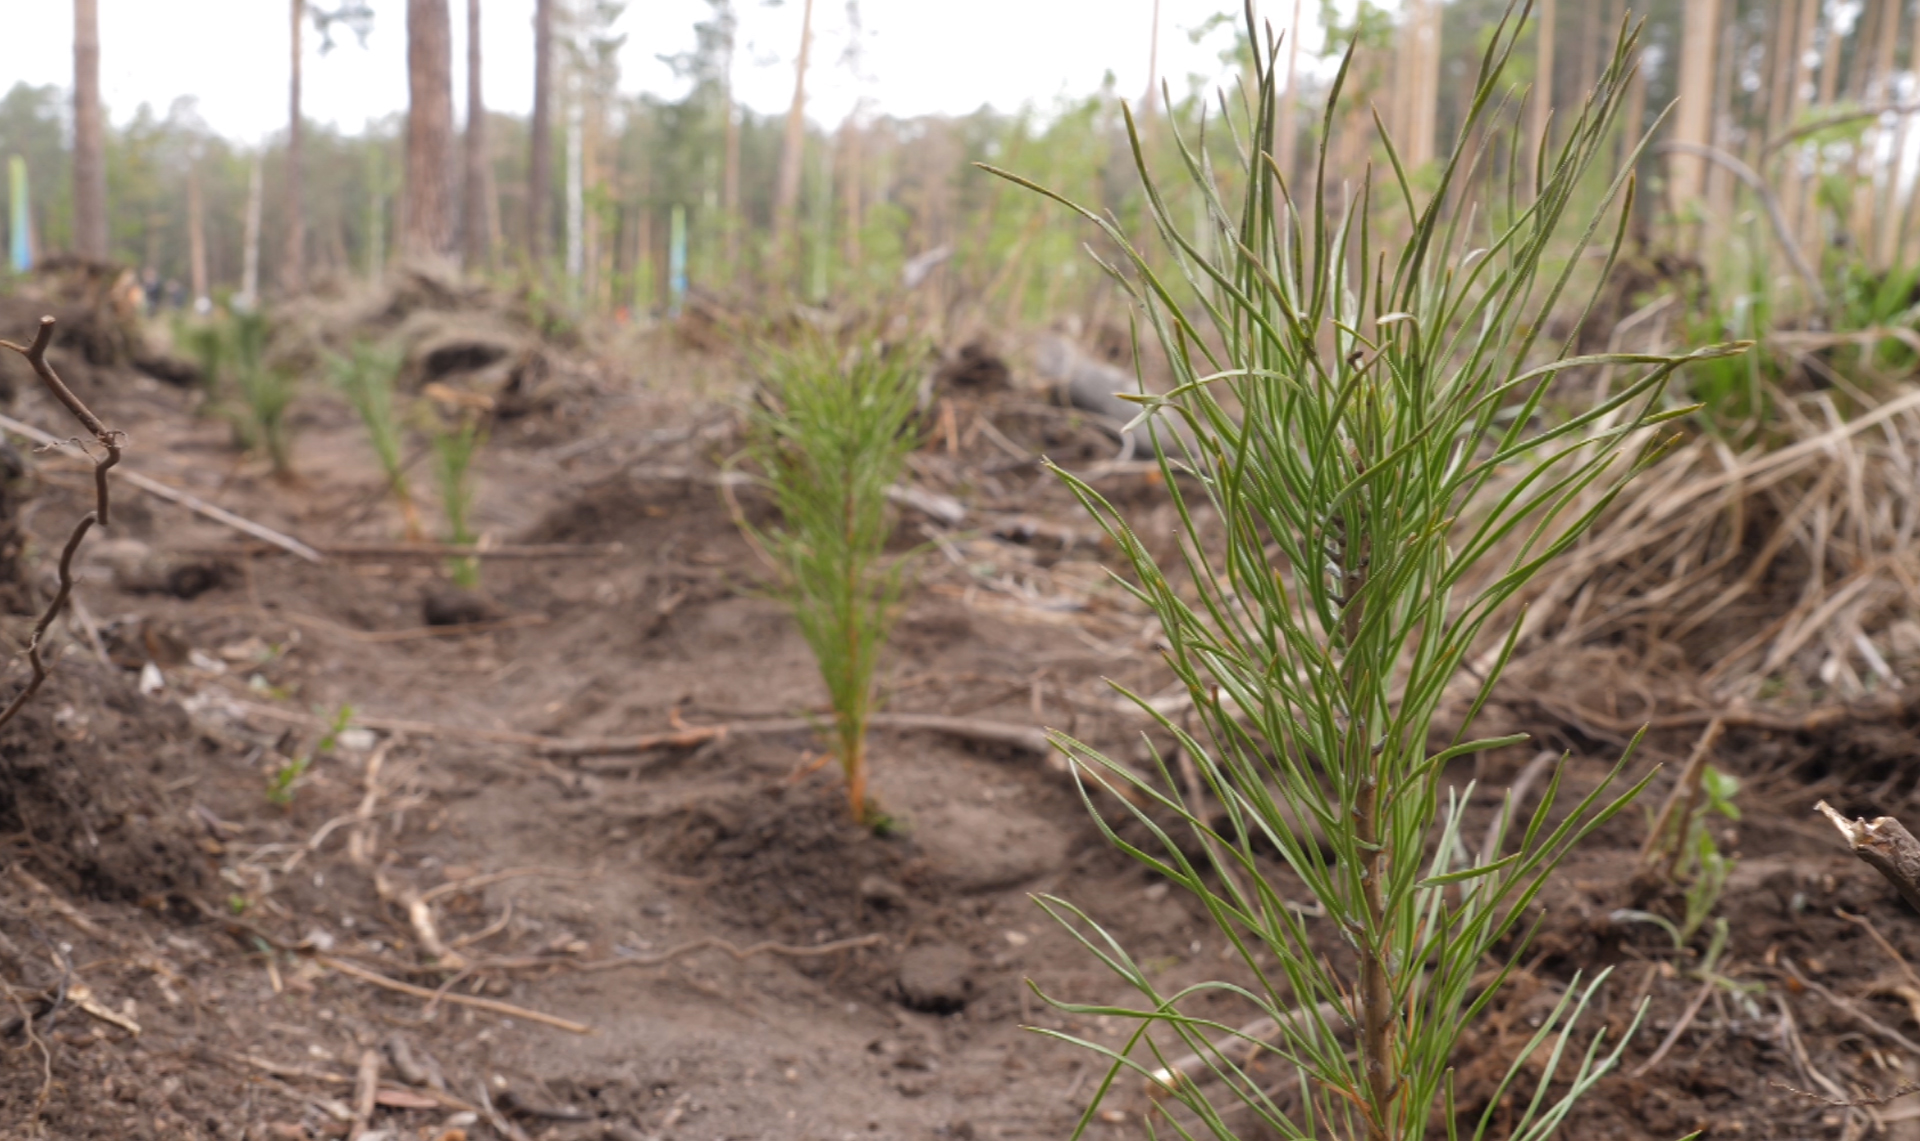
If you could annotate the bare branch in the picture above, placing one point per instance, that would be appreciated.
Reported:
(109, 439)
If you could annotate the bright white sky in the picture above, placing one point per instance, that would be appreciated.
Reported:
(915, 56)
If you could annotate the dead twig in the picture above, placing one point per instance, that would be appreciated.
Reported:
(110, 440)
(1852, 1010)
(1680, 1027)
(1913, 979)
(1886, 846)
(506, 1009)
(160, 490)
(366, 1086)
(431, 552)
(1902, 1090)
(1667, 838)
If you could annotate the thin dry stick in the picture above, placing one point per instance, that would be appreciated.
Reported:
(1680, 803)
(1853, 1011)
(160, 490)
(110, 440)
(366, 1087)
(1686, 1019)
(1891, 952)
(488, 1004)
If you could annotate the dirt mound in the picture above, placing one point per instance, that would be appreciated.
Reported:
(83, 790)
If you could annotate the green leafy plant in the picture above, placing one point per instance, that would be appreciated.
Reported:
(266, 392)
(206, 341)
(454, 446)
(1372, 461)
(829, 439)
(285, 778)
(366, 377)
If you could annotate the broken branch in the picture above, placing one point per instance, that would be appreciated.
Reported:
(1886, 846)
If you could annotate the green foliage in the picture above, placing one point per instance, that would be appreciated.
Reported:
(266, 392)
(285, 779)
(1369, 470)
(205, 342)
(366, 376)
(454, 446)
(830, 437)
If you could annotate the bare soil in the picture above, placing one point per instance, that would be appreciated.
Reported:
(150, 872)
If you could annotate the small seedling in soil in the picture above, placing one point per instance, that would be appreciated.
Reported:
(266, 393)
(454, 446)
(1368, 471)
(366, 377)
(829, 438)
(285, 779)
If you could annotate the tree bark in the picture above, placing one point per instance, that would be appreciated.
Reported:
(1539, 119)
(540, 161)
(293, 274)
(792, 149)
(197, 237)
(479, 232)
(429, 220)
(1693, 118)
(1289, 142)
(89, 139)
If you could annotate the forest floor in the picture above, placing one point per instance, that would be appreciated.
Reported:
(153, 882)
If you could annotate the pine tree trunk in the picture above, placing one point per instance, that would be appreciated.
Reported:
(197, 237)
(89, 139)
(793, 147)
(293, 273)
(540, 160)
(1539, 119)
(250, 255)
(1287, 157)
(428, 228)
(1693, 118)
(478, 220)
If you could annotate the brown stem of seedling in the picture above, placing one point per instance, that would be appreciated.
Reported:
(109, 439)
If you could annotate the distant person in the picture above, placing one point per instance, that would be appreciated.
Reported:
(150, 288)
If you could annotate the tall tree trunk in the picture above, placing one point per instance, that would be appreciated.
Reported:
(89, 140)
(1588, 51)
(479, 229)
(576, 187)
(540, 161)
(197, 238)
(293, 273)
(730, 182)
(250, 253)
(1539, 118)
(1289, 144)
(1793, 181)
(1693, 118)
(428, 229)
(1423, 82)
(793, 148)
(850, 191)
(1889, 207)
(1152, 99)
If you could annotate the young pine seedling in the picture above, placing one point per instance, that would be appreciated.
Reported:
(266, 393)
(830, 437)
(366, 377)
(454, 446)
(1374, 455)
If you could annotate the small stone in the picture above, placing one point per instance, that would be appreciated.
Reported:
(878, 891)
(937, 979)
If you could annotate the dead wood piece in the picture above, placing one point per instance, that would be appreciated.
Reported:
(785, 950)
(366, 1087)
(1852, 1010)
(1241, 1046)
(1886, 846)
(65, 910)
(413, 633)
(109, 440)
(1679, 1027)
(502, 1008)
(434, 552)
(187, 500)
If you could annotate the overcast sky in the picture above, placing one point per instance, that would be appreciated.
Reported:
(915, 56)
